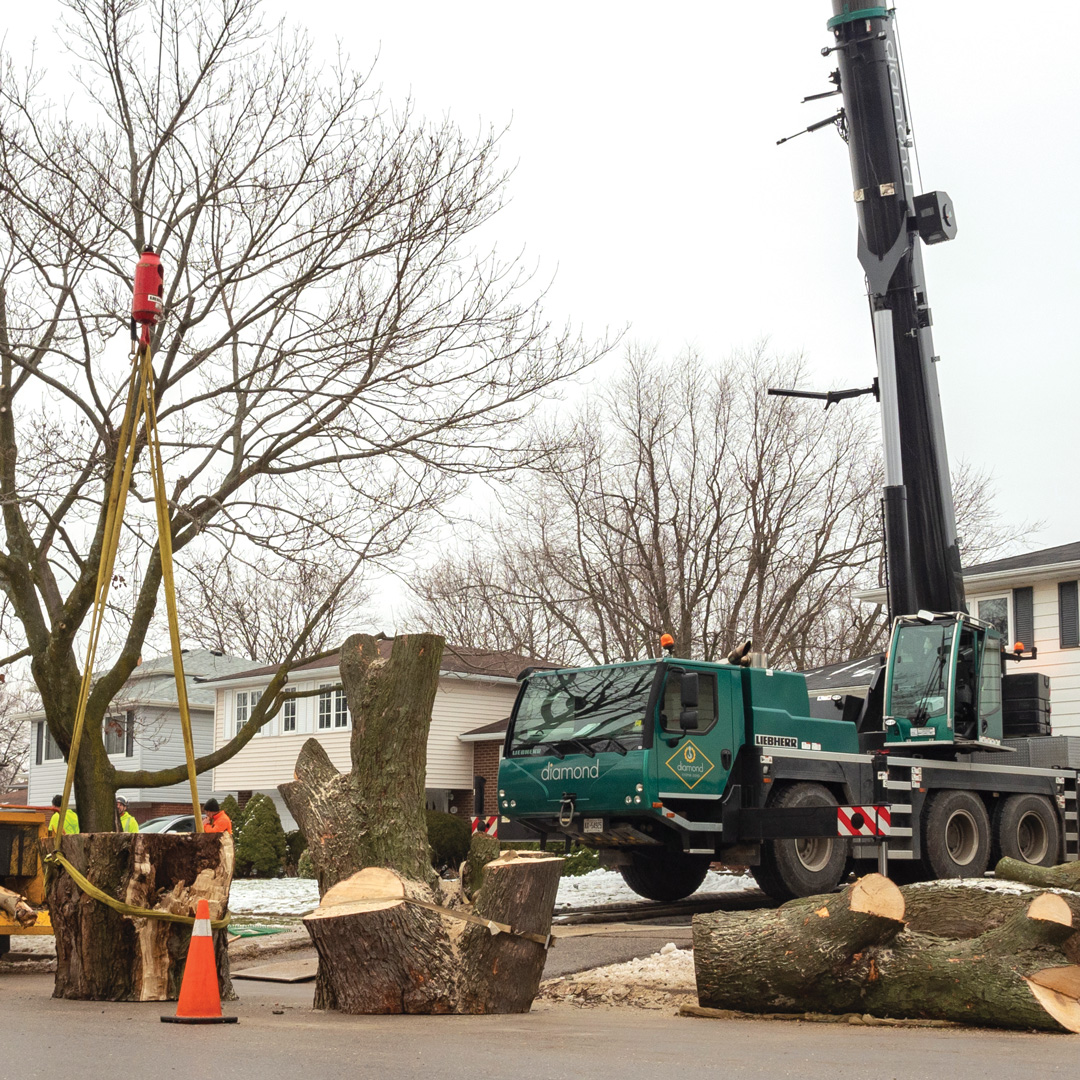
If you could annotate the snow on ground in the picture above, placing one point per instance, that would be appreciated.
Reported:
(607, 887)
(663, 980)
(298, 896)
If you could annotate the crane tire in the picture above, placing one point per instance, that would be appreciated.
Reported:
(1026, 828)
(666, 876)
(791, 868)
(956, 835)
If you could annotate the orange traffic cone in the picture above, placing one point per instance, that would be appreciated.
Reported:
(200, 1002)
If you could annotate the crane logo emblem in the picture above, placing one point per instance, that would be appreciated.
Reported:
(690, 764)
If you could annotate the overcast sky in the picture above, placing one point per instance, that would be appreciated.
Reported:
(648, 176)
(649, 184)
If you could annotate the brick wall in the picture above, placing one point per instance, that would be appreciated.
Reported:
(486, 764)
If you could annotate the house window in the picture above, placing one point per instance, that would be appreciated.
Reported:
(115, 735)
(241, 710)
(52, 750)
(288, 716)
(267, 728)
(325, 708)
(341, 709)
(1024, 616)
(1068, 615)
(995, 611)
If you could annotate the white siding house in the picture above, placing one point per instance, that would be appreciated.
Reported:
(1033, 599)
(142, 731)
(475, 688)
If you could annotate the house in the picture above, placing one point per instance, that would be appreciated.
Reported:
(476, 687)
(142, 731)
(1032, 599)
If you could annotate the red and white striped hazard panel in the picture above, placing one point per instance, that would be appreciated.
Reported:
(488, 825)
(863, 821)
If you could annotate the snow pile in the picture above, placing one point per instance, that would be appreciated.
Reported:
(607, 887)
(297, 896)
(663, 980)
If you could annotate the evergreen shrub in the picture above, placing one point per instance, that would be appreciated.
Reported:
(260, 845)
(448, 836)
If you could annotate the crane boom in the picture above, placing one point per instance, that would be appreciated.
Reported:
(920, 526)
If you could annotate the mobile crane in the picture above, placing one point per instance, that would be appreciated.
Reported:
(666, 765)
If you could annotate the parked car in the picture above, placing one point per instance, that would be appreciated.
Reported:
(171, 823)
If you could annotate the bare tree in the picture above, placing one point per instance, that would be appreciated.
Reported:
(685, 500)
(14, 734)
(337, 351)
(260, 608)
(681, 500)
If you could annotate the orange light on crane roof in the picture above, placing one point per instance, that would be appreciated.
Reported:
(1018, 647)
(666, 641)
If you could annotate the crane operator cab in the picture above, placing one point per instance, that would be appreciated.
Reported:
(943, 682)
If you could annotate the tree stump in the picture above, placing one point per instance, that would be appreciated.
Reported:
(384, 949)
(102, 955)
(969, 955)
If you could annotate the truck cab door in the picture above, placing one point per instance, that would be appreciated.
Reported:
(690, 765)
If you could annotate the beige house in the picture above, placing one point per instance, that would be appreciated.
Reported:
(476, 688)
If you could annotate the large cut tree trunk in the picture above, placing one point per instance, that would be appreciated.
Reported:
(373, 815)
(386, 947)
(765, 961)
(385, 940)
(102, 955)
(968, 955)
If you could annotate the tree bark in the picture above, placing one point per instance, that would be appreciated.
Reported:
(766, 961)
(482, 849)
(1008, 963)
(383, 948)
(382, 945)
(102, 955)
(374, 815)
(1066, 876)
(501, 973)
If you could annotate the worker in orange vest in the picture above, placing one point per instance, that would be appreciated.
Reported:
(214, 818)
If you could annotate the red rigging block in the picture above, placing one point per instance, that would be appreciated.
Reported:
(146, 304)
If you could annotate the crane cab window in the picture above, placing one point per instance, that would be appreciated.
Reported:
(671, 706)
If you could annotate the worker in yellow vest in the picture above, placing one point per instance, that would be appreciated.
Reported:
(71, 820)
(127, 822)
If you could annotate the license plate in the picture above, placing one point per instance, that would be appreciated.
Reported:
(593, 824)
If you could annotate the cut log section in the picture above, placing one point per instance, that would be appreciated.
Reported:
(797, 956)
(17, 907)
(1007, 965)
(103, 955)
(1066, 876)
(385, 946)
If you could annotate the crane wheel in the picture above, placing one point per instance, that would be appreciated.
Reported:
(1026, 828)
(791, 868)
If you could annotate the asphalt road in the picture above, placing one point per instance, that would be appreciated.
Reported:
(43, 1038)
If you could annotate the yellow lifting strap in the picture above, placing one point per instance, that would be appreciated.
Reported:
(141, 405)
(91, 889)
